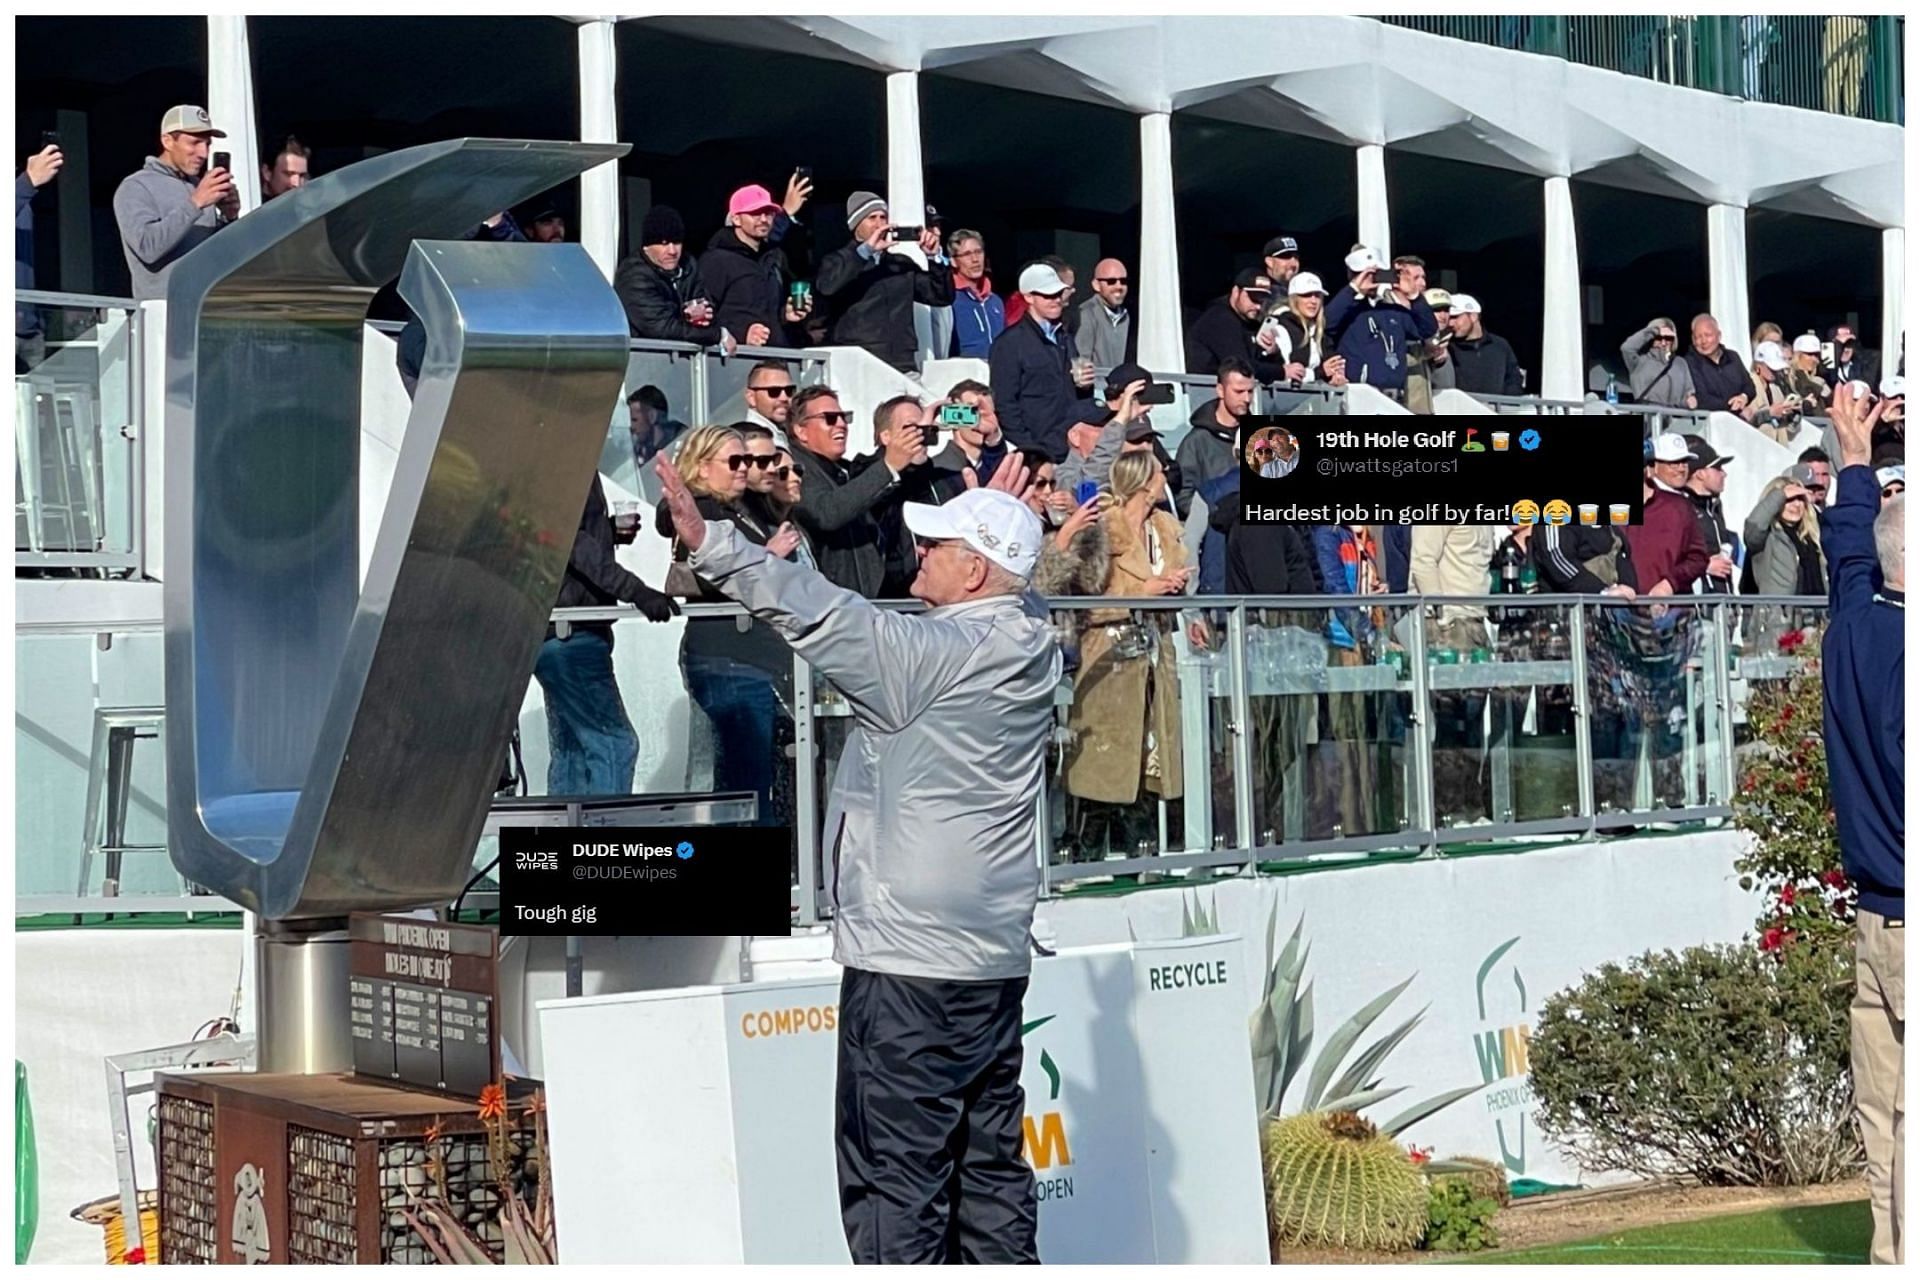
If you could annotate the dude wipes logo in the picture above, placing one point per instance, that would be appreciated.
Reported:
(1044, 1135)
(1500, 1044)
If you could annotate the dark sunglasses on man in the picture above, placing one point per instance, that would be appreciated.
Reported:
(777, 392)
(831, 418)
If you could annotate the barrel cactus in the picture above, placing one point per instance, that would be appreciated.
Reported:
(1334, 1180)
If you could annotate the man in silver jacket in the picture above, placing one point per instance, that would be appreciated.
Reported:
(931, 830)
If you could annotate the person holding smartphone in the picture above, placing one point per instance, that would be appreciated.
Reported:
(29, 340)
(174, 201)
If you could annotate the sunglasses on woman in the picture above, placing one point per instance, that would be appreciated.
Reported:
(738, 461)
(781, 473)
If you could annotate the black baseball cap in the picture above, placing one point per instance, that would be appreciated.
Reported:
(1122, 375)
(1704, 454)
(1282, 247)
(1253, 280)
(1141, 429)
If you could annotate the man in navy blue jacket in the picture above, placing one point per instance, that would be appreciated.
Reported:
(1863, 665)
(1374, 324)
(1040, 385)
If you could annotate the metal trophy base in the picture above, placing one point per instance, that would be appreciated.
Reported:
(301, 987)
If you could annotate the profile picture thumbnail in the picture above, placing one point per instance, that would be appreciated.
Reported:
(1273, 452)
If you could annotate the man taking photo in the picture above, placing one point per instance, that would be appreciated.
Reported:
(932, 825)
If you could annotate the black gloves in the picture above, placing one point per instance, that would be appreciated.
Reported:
(657, 605)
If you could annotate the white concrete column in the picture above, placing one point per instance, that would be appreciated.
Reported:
(906, 193)
(230, 102)
(1727, 276)
(1893, 283)
(1562, 359)
(599, 117)
(1156, 307)
(1376, 225)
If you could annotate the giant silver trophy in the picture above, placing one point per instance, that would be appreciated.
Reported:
(332, 747)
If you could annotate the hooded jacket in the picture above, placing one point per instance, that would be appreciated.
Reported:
(1656, 381)
(1486, 366)
(978, 318)
(1863, 666)
(1715, 533)
(1219, 334)
(869, 299)
(1033, 388)
(748, 286)
(1374, 336)
(930, 826)
(159, 224)
(1206, 452)
(656, 300)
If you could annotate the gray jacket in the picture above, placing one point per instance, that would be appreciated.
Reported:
(159, 223)
(1771, 548)
(931, 828)
(1655, 381)
(1101, 340)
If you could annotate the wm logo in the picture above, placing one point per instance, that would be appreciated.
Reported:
(1045, 1136)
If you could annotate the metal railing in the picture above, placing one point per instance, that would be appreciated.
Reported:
(1847, 65)
(1295, 730)
(78, 444)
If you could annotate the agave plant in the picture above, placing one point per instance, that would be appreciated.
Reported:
(1282, 1032)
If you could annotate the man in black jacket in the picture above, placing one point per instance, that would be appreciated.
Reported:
(1231, 329)
(1706, 478)
(1574, 559)
(747, 276)
(1041, 386)
(661, 288)
(1851, 361)
(1720, 381)
(841, 505)
(1483, 363)
(869, 289)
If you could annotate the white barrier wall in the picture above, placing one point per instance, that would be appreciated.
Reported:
(697, 1125)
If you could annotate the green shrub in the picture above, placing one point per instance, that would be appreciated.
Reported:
(1718, 1062)
(1486, 1177)
(1459, 1220)
(1334, 1179)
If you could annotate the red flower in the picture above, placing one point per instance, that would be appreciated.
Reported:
(1419, 1155)
(1835, 879)
(1791, 640)
(1750, 781)
(493, 1102)
(1800, 782)
(1786, 895)
(1773, 939)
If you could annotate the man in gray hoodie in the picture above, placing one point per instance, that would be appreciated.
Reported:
(173, 201)
(1654, 370)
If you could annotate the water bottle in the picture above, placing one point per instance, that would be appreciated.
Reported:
(1613, 390)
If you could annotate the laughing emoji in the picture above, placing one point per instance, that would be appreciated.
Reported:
(1558, 512)
(1526, 511)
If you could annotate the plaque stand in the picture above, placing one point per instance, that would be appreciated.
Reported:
(300, 969)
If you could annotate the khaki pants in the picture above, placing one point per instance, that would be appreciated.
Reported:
(1879, 1072)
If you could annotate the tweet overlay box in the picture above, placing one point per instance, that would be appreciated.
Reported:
(661, 881)
(1442, 470)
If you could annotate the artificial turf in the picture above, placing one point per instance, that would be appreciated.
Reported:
(1813, 1234)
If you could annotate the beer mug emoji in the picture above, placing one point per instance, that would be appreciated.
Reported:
(1558, 512)
(1500, 439)
(1589, 514)
(1618, 512)
(1526, 511)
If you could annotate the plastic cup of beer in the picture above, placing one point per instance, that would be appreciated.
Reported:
(1618, 512)
(1500, 439)
(1589, 513)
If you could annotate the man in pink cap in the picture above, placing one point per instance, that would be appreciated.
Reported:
(747, 275)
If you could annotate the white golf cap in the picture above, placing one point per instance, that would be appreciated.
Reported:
(1807, 345)
(1042, 279)
(1887, 475)
(997, 525)
(1893, 385)
(1770, 355)
(1364, 259)
(1668, 447)
(1465, 304)
(1304, 283)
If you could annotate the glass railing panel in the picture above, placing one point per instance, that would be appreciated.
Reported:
(1654, 701)
(76, 461)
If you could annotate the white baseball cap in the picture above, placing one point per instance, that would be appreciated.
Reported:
(1887, 475)
(1807, 345)
(1043, 279)
(1364, 259)
(1770, 355)
(1893, 385)
(1465, 304)
(1304, 283)
(1667, 447)
(997, 525)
